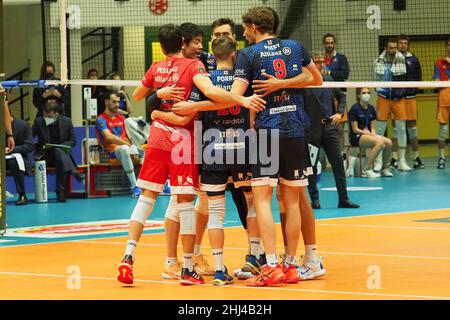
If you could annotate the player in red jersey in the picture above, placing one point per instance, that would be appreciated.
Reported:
(170, 150)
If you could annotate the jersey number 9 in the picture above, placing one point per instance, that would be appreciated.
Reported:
(280, 67)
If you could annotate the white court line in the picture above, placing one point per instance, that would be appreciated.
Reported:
(380, 227)
(236, 286)
(282, 250)
(318, 220)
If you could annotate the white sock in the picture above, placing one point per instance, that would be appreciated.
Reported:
(395, 155)
(272, 260)
(416, 154)
(310, 253)
(131, 247)
(218, 259)
(187, 261)
(255, 247)
(442, 153)
(402, 153)
(197, 249)
(171, 261)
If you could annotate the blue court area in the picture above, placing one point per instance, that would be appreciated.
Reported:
(418, 190)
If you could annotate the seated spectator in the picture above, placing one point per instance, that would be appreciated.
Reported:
(57, 93)
(57, 129)
(111, 134)
(125, 108)
(363, 133)
(17, 159)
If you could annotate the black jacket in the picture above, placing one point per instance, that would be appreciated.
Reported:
(66, 132)
(24, 141)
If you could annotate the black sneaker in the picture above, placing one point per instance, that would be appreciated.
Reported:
(441, 163)
(418, 164)
(394, 163)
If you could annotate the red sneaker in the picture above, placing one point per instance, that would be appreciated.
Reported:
(291, 274)
(190, 277)
(269, 276)
(126, 270)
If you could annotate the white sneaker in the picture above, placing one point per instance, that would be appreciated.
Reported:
(368, 173)
(403, 166)
(386, 173)
(311, 270)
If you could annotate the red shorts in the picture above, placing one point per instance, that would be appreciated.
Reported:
(158, 167)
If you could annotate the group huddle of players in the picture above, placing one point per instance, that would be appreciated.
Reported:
(253, 127)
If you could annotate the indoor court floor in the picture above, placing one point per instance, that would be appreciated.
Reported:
(396, 246)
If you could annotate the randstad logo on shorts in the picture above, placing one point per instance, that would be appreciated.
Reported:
(233, 147)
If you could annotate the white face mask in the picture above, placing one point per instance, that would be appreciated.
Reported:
(365, 97)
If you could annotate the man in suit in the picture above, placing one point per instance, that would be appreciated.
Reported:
(323, 132)
(23, 147)
(53, 128)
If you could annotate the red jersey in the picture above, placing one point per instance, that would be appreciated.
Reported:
(116, 125)
(173, 71)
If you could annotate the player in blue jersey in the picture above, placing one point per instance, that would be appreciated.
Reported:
(281, 122)
(225, 155)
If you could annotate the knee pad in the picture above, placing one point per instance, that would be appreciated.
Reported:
(187, 218)
(142, 210)
(251, 211)
(201, 205)
(172, 209)
(401, 132)
(443, 131)
(412, 132)
(216, 213)
(381, 127)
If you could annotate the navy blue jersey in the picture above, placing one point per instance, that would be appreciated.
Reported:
(282, 59)
(224, 130)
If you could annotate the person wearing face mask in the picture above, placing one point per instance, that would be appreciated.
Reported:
(58, 93)
(53, 128)
(363, 133)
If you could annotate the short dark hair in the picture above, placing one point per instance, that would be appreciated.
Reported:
(328, 35)
(262, 17)
(171, 38)
(223, 21)
(190, 31)
(402, 37)
(391, 40)
(222, 47)
(109, 92)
